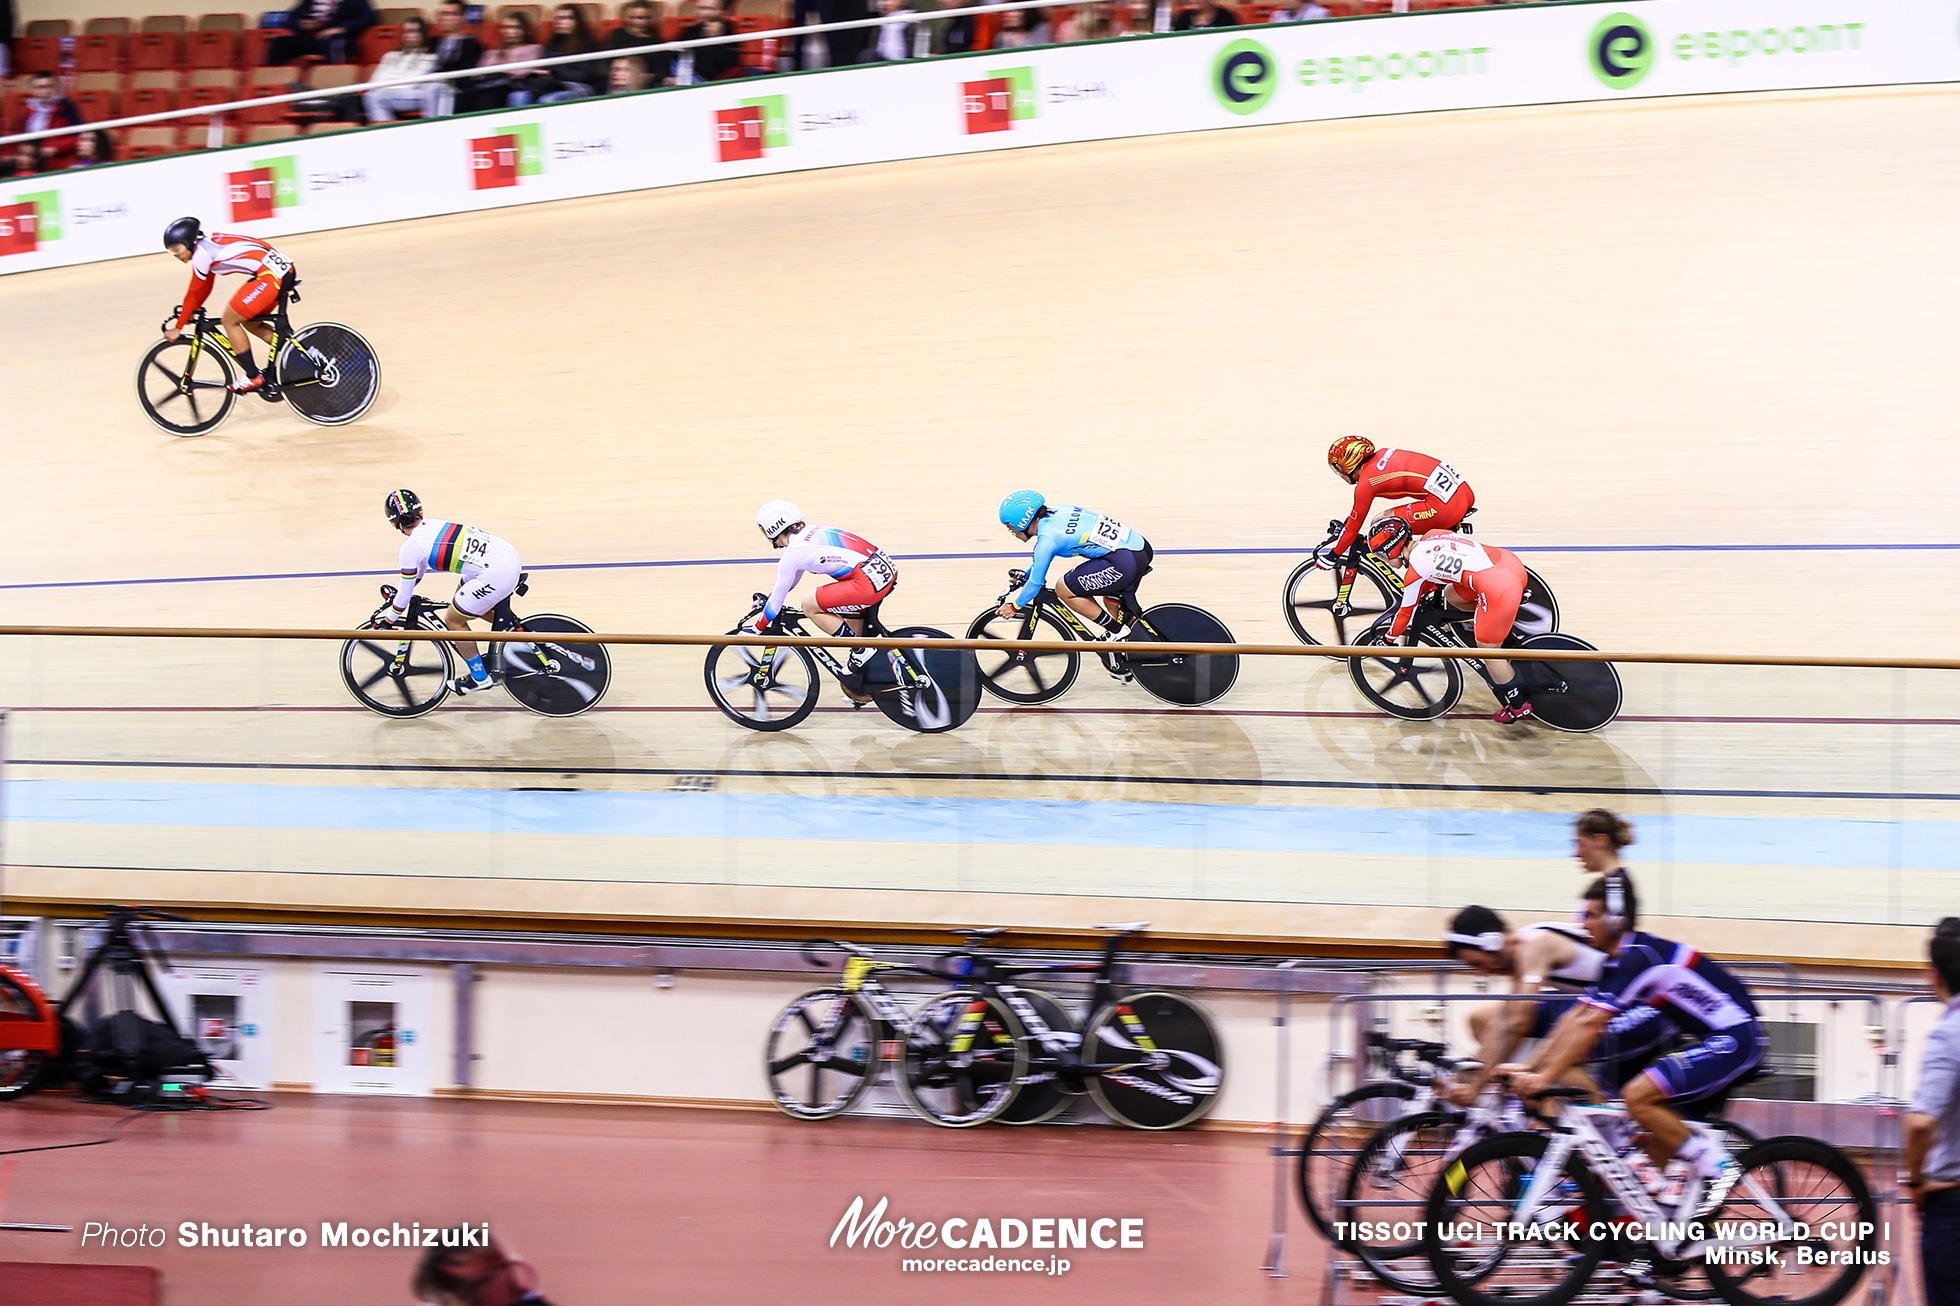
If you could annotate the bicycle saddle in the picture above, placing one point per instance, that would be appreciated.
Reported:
(1133, 927)
(980, 936)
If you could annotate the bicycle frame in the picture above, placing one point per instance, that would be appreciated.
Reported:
(789, 622)
(1050, 602)
(1064, 1047)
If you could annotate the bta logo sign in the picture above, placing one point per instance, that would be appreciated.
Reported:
(996, 104)
(263, 189)
(501, 160)
(28, 222)
(753, 129)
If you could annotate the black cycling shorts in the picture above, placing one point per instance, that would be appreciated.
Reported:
(1116, 572)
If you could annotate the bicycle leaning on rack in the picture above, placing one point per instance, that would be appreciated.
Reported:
(404, 678)
(826, 1047)
(1335, 605)
(1028, 676)
(326, 371)
(994, 1049)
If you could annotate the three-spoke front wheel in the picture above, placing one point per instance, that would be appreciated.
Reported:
(1318, 613)
(1413, 688)
(397, 678)
(822, 1053)
(185, 384)
(762, 688)
(1019, 675)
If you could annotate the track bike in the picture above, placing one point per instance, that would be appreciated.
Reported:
(327, 372)
(826, 1047)
(1149, 1059)
(1577, 697)
(775, 687)
(1026, 677)
(1525, 1218)
(409, 678)
(1334, 605)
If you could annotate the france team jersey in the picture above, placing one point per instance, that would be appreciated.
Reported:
(1698, 995)
(1070, 532)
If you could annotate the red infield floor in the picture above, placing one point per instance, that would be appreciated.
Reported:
(622, 1205)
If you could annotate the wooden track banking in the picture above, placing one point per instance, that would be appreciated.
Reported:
(1645, 333)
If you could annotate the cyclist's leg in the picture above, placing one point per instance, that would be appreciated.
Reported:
(832, 606)
(1499, 591)
(1095, 588)
(476, 599)
(258, 296)
(1687, 1076)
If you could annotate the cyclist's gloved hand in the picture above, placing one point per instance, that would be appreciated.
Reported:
(1326, 559)
(759, 626)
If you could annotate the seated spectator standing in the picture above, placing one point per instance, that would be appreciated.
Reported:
(456, 49)
(47, 108)
(627, 73)
(494, 91)
(1023, 27)
(23, 161)
(1207, 14)
(322, 29)
(710, 63)
(572, 81)
(92, 148)
(894, 40)
(957, 36)
(1092, 22)
(1305, 11)
(639, 26)
(413, 59)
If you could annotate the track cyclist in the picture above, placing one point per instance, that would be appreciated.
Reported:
(1442, 497)
(1706, 1002)
(1117, 559)
(489, 567)
(862, 576)
(1550, 955)
(265, 271)
(1472, 575)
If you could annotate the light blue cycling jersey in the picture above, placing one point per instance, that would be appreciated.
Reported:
(1071, 532)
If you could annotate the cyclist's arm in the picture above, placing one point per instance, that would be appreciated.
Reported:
(1364, 498)
(1412, 589)
(412, 566)
(200, 290)
(1513, 1024)
(788, 571)
(1572, 1039)
(1045, 548)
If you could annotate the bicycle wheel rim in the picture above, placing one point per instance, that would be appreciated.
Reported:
(209, 400)
(1338, 1134)
(1155, 1097)
(1308, 603)
(957, 1087)
(1413, 688)
(1041, 1095)
(1807, 1181)
(1387, 1188)
(825, 1032)
(1019, 676)
(1185, 679)
(555, 677)
(786, 692)
(1577, 697)
(344, 375)
(419, 690)
(945, 704)
(1465, 1222)
(1537, 609)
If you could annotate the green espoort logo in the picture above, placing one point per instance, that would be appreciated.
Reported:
(1621, 51)
(1244, 77)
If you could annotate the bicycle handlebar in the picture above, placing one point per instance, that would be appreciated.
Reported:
(838, 944)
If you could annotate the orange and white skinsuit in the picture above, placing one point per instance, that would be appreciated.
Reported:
(1482, 576)
(216, 254)
(1442, 497)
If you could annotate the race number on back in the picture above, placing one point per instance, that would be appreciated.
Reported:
(1443, 481)
(1109, 533)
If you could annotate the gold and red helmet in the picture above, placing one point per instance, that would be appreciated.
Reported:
(1347, 454)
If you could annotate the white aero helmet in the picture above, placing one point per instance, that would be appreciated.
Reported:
(777, 516)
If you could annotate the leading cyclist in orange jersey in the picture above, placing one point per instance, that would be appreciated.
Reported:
(265, 270)
(1442, 497)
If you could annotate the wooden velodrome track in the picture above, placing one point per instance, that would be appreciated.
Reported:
(1639, 329)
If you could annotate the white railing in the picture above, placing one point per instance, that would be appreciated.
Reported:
(216, 112)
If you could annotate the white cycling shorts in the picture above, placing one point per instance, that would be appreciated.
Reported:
(483, 588)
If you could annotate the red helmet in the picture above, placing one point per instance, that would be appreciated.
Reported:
(1347, 454)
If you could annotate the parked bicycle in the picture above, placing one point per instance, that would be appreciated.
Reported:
(1334, 606)
(405, 678)
(1516, 1219)
(1150, 1059)
(827, 1046)
(1025, 676)
(1577, 697)
(775, 687)
(327, 372)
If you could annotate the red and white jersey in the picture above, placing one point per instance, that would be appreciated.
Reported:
(826, 551)
(218, 254)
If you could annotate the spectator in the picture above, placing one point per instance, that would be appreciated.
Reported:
(638, 25)
(1095, 21)
(894, 40)
(322, 29)
(1932, 1156)
(1302, 11)
(1023, 27)
(92, 148)
(475, 1276)
(710, 63)
(956, 35)
(1206, 13)
(25, 160)
(46, 107)
(494, 91)
(832, 49)
(626, 73)
(415, 57)
(456, 49)
(571, 81)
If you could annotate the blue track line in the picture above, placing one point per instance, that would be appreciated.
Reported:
(370, 572)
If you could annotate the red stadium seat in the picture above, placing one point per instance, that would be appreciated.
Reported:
(148, 142)
(222, 23)
(211, 86)
(156, 50)
(199, 138)
(98, 53)
(106, 27)
(49, 27)
(37, 54)
(379, 40)
(212, 50)
(396, 17)
(176, 23)
(149, 99)
(251, 49)
(97, 106)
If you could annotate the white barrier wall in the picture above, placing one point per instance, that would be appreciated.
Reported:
(1456, 59)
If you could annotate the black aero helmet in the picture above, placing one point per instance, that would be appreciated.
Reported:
(401, 505)
(184, 231)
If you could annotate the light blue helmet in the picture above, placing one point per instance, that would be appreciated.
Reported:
(1019, 509)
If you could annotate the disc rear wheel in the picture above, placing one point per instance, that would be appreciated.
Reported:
(1577, 697)
(329, 373)
(1186, 679)
(1169, 1062)
(553, 676)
